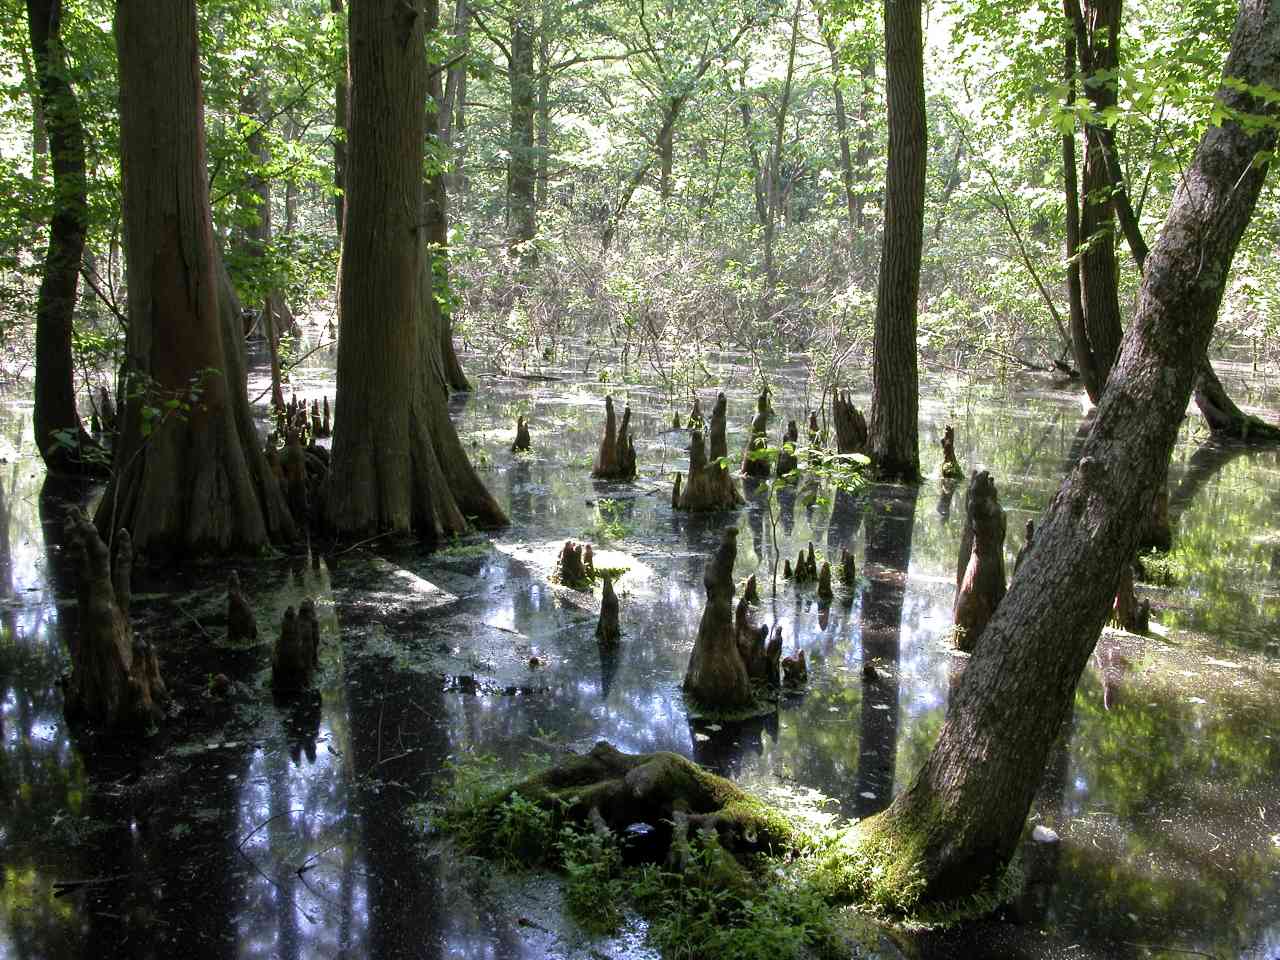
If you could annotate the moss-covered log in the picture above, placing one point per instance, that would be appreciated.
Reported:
(606, 786)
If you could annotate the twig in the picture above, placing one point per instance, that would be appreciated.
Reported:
(294, 363)
(361, 543)
(189, 616)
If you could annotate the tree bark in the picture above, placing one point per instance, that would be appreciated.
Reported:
(522, 166)
(60, 436)
(191, 476)
(398, 465)
(894, 445)
(1080, 348)
(957, 824)
(1099, 51)
(436, 209)
(341, 108)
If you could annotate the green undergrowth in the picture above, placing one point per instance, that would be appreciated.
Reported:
(828, 895)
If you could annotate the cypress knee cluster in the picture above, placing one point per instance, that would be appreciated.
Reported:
(795, 671)
(710, 487)
(759, 649)
(982, 585)
(616, 459)
(297, 650)
(576, 566)
(850, 424)
(806, 568)
(717, 676)
(115, 677)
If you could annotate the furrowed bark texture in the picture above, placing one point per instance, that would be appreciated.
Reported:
(190, 477)
(958, 823)
(55, 392)
(398, 465)
(894, 442)
(1099, 52)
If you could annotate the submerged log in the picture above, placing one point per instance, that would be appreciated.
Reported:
(951, 469)
(616, 459)
(293, 659)
(571, 569)
(522, 435)
(754, 463)
(983, 585)
(608, 628)
(115, 678)
(850, 424)
(710, 487)
(717, 676)
(241, 624)
(787, 460)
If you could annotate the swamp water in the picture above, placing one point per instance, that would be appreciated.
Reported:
(251, 829)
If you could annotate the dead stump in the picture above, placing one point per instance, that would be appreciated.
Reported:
(983, 585)
(115, 678)
(717, 677)
(1127, 613)
(825, 593)
(608, 628)
(294, 465)
(848, 570)
(710, 487)
(616, 459)
(1029, 539)
(521, 441)
(951, 469)
(850, 424)
(241, 624)
(751, 591)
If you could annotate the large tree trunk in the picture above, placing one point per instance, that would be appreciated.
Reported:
(60, 436)
(436, 259)
(191, 475)
(522, 168)
(958, 823)
(894, 445)
(1080, 348)
(1099, 52)
(398, 465)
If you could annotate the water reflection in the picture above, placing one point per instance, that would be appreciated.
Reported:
(251, 828)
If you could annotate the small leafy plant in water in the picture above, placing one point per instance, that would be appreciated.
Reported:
(609, 524)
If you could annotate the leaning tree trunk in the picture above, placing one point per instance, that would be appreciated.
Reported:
(398, 465)
(893, 440)
(1225, 419)
(60, 436)
(958, 823)
(190, 473)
